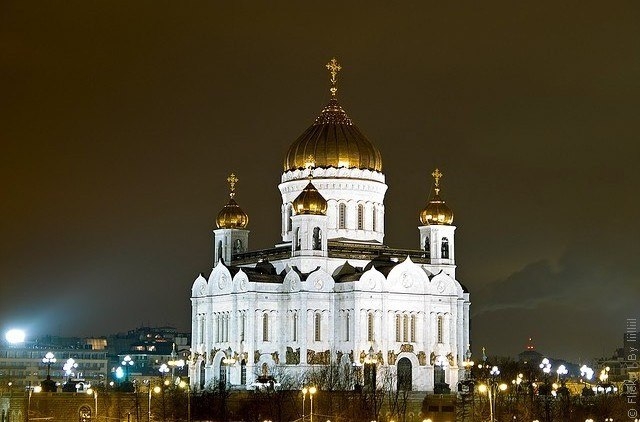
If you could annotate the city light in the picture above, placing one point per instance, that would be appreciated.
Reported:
(15, 336)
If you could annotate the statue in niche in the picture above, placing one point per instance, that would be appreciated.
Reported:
(292, 357)
(422, 358)
(256, 356)
(451, 359)
(275, 357)
(432, 358)
(391, 357)
(339, 357)
(363, 355)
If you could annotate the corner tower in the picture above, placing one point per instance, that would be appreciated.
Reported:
(437, 231)
(347, 173)
(232, 236)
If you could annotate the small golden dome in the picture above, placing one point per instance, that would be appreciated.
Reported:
(231, 215)
(310, 202)
(436, 211)
(333, 139)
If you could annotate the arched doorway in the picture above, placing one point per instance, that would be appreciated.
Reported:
(404, 374)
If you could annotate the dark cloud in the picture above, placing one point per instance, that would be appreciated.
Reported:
(584, 298)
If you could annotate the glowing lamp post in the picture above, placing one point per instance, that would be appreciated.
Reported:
(312, 391)
(187, 386)
(229, 360)
(126, 362)
(93, 392)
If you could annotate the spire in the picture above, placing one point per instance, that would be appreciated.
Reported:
(436, 211)
(334, 67)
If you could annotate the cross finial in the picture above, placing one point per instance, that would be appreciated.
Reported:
(232, 179)
(334, 67)
(310, 164)
(437, 175)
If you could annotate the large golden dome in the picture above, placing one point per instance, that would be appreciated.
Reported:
(436, 211)
(333, 139)
(231, 216)
(310, 201)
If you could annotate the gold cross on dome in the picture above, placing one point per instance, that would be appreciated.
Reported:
(334, 67)
(310, 164)
(232, 179)
(437, 176)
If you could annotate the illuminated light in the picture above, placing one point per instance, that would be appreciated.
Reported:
(482, 388)
(15, 336)
(503, 387)
(37, 389)
(119, 372)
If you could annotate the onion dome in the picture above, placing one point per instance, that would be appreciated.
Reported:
(436, 211)
(333, 139)
(310, 202)
(231, 215)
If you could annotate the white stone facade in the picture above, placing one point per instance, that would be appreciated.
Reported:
(333, 298)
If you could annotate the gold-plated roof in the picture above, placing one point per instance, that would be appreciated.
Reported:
(436, 211)
(333, 139)
(310, 201)
(231, 216)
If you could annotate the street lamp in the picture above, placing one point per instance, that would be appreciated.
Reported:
(126, 362)
(48, 385)
(156, 390)
(304, 396)
(36, 389)
(312, 391)
(229, 360)
(492, 389)
(370, 362)
(187, 387)
(91, 391)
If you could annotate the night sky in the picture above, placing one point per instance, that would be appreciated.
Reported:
(120, 121)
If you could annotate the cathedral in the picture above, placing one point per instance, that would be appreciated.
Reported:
(331, 292)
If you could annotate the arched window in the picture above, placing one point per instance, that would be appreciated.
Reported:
(289, 215)
(219, 250)
(398, 328)
(317, 321)
(202, 375)
(243, 372)
(360, 217)
(265, 327)
(374, 219)
(242, 325)
(222, 373)
(294, 328)
(445, 248)
(347, 323)
(296, 240)
(317, 239)
(440, 328)
(427, 247)
(413, 328)
(405, 328)
(370, 327)
(342, 216)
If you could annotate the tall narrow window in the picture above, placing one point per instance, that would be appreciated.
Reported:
(370, 327)
(294, 329)
(201, 329)
(317, 323)
(405, 328)
(347, 323)
(296, 240)
(398, 328)
(413, 328)
(360, 217)
(242, 324)
(265, 327)
(317, 239)
(342, 216)
(445, 248)
(243, 372)
(440, 328)
(427, 247)
(374, 219)
(289, 215)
